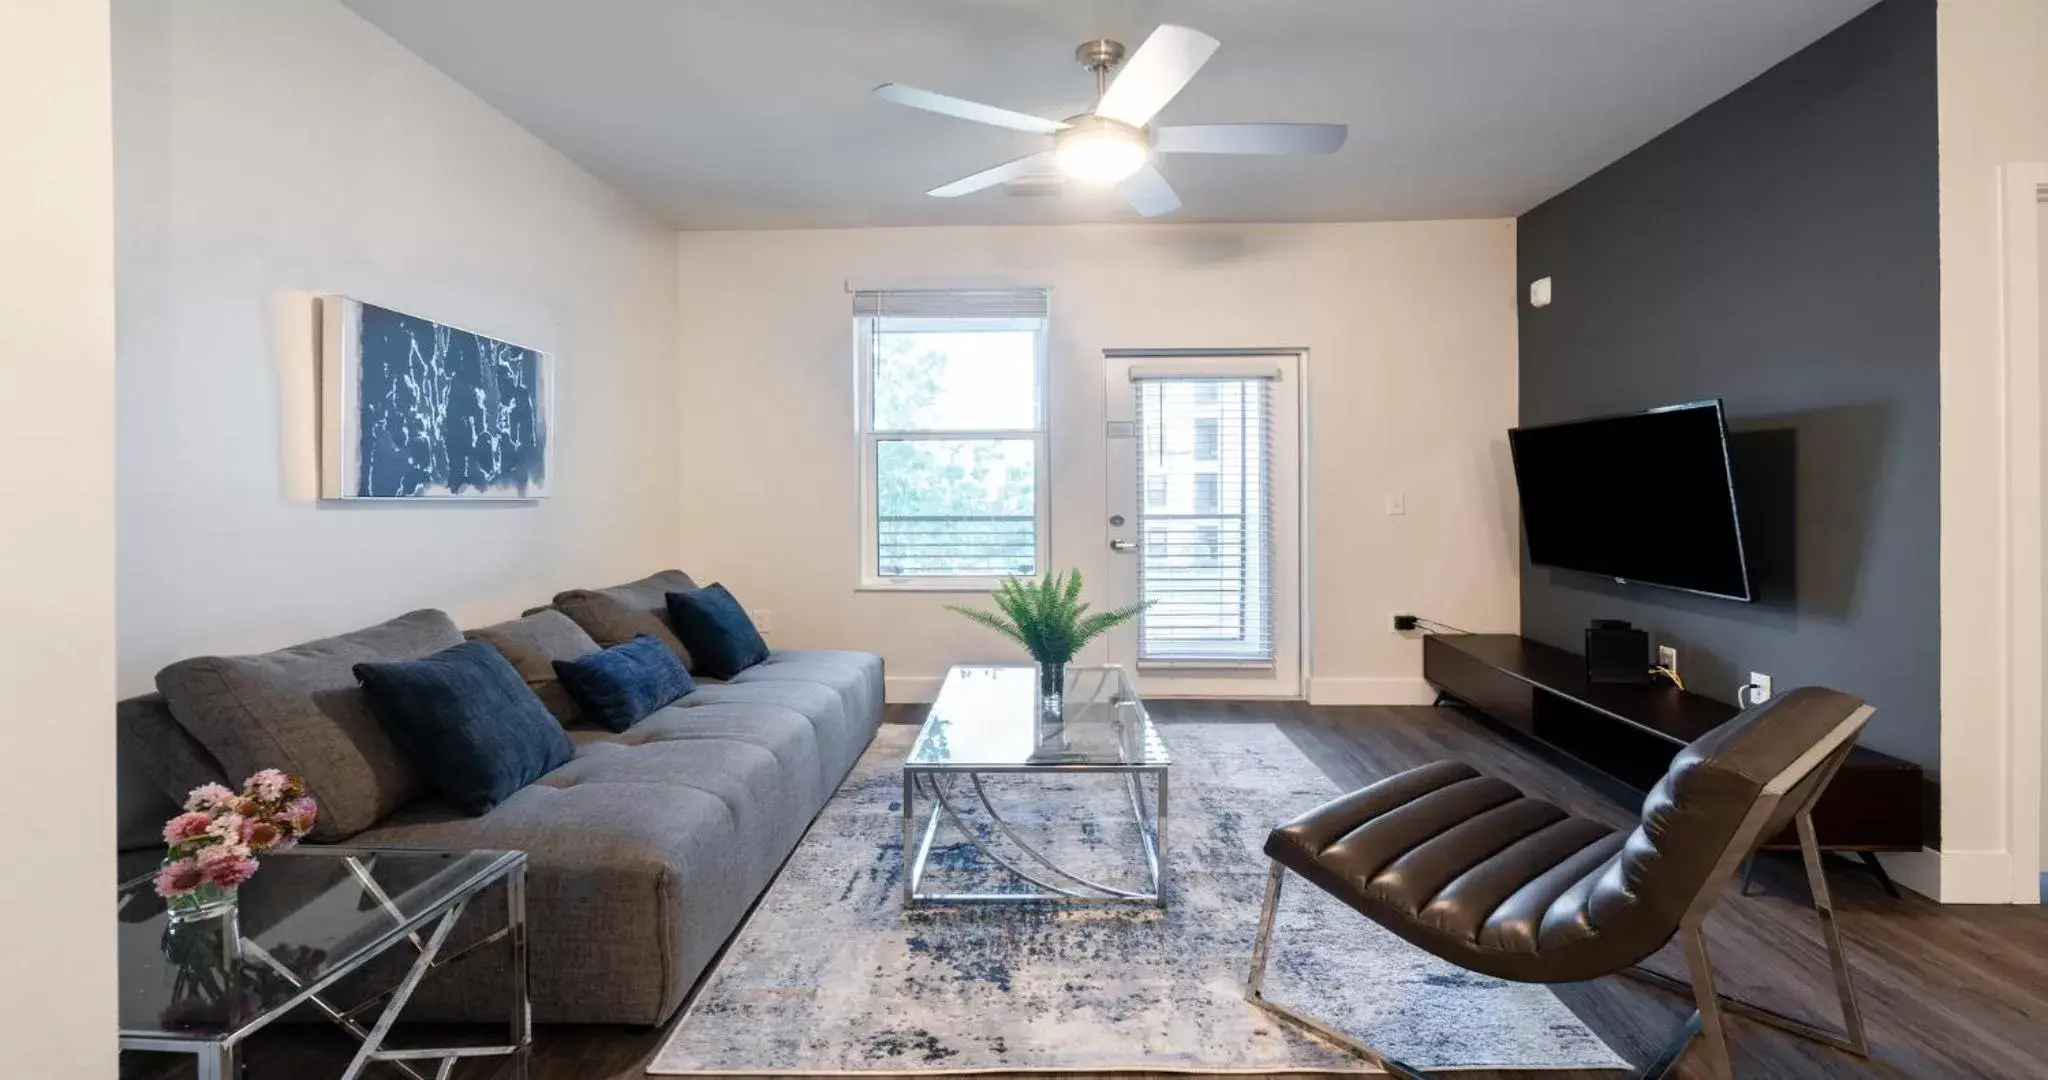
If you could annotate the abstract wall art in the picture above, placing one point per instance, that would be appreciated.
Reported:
(415, 409)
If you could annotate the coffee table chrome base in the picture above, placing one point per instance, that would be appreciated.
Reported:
(1051, 882)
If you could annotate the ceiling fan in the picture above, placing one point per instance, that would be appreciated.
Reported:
(1113, 143)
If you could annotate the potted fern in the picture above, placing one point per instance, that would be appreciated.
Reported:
(1050, 620)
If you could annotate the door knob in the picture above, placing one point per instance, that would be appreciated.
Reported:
(1123, 545)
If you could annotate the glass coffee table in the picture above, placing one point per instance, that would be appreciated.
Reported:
(310, 918)
(987, 722)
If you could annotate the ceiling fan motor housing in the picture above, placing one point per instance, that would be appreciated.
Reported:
(1100, 150)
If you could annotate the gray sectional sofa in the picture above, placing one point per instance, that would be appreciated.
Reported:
(645, 851)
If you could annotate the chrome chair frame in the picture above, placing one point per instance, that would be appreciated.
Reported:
(1706, 1022)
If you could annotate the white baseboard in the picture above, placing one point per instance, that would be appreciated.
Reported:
(1953, 877)
(1396, 690)
(922, 689)
(911, 689)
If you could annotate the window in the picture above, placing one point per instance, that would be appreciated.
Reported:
(952, 437)
(1155, 492)
(1208, 436)
(1206, 501)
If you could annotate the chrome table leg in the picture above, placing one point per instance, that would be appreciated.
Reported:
(522, 1000)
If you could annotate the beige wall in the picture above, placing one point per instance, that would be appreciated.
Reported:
(57, 542)
(269, 151)
(1411, 329)
(1993, 64)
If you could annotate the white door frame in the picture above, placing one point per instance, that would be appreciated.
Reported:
(1304, 607)
(2024, 207)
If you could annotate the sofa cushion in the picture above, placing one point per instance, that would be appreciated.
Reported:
(841, 734)
(165, 754)
(643, 854)
(715, 629)
(856, 677)
(619, 686)
(533, 642)
(617, 615)
(301, 710)
(469, 721)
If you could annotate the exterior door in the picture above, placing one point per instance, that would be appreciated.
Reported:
(1204, 521)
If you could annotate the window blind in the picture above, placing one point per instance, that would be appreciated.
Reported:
(952, 303)
(1205, 557)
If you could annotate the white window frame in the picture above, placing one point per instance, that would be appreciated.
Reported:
(867, 575)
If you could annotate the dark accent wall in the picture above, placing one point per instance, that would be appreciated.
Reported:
(1777, 250)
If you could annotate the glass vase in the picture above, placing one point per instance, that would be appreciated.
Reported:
(204, 956)
(1052, 705)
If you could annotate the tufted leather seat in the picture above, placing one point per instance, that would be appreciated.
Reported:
(1469, 868)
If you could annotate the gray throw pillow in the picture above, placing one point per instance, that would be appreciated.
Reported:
(301, 710)
(533, 643)
(621, 613)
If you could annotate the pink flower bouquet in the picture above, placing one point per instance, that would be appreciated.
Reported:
(214, 842)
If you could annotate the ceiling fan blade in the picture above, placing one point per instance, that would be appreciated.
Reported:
(1149, 193)
(1249, 139)
(966, 110)
(988, 178)
(1155, 73)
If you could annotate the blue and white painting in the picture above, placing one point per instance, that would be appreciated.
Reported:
(416, 409)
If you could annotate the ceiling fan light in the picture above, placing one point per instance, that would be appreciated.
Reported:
(1102, 153)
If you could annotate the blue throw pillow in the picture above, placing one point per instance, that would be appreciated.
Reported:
(469, 722)
(715, 629)
(618, 687)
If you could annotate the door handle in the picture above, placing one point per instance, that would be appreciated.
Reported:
(1123, 545)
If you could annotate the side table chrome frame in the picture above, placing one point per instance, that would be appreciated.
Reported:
(1054, 883)
(1706, 1022)
(219, 1059)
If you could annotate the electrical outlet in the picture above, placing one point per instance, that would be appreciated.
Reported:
(764, 620)
(1759, 688)
(1403, 622)
(1667, 658)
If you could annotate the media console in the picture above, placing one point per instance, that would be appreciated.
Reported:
(1627, 735)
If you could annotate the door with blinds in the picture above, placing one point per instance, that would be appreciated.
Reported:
(1204, 522)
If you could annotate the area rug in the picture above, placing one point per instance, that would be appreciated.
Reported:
(830, 976)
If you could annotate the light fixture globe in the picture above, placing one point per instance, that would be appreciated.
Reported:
(1097, 150)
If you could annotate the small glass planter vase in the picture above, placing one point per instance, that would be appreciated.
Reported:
(204, 953)
(1052, 706)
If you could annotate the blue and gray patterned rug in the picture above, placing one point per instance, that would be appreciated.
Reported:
(831, 977)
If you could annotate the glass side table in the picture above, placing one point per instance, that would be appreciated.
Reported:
(308, 919)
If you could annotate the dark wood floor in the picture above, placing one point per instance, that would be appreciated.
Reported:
(1946, 991)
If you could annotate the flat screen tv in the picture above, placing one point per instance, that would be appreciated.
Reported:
(1645, 498)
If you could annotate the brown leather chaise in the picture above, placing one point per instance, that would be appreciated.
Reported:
(1472, 870)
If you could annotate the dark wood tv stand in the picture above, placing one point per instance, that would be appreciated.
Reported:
(1627, 734)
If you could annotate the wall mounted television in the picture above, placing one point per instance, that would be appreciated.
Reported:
(1646, 497)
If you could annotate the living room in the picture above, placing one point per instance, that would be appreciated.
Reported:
(653, 722)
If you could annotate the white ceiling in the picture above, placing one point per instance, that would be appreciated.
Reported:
(729, 114)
